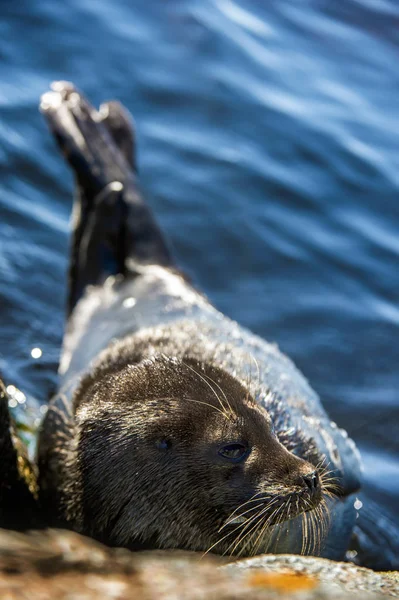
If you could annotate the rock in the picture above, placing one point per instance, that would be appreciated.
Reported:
(65, 565)
(330, 574)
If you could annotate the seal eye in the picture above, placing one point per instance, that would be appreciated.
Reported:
(234, 452)
(163, 444)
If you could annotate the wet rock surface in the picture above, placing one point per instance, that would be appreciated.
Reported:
(61, 564)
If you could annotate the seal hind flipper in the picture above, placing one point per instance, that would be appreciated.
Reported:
(113, 228)
(120, 124)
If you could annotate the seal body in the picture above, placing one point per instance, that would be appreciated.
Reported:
(143, 316)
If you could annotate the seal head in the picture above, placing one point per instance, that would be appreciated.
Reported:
(171, 453)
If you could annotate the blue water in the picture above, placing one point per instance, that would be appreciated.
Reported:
(269, 150)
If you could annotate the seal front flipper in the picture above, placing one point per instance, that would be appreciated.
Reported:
(113, 227)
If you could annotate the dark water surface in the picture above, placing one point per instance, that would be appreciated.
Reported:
(269, 149)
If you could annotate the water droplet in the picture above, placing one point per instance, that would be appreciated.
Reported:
(11, 389)
(358, 504)
(36, 353)
(129, 302)
(12, 403)
(116, 186)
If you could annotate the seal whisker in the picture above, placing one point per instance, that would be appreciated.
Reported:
(308, 531)
(267, 524)
(256, 518)
(253, 359)
(224, 395)
(320, 528)
(315, 527)
(192, 400)
(232, 521)
(210, 386)
(314, 531)
(326, 517)
(238, 538)
(323, 463)
(281, 518)
(247, 380)
(308, 535)
(206, 404)
(303, 528)
(253, 522)
(322, 467)
(329, 483)
(219, 541)
(240, 526)
(263, 528)
(254, 498)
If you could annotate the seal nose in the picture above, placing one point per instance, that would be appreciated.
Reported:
(312, 482)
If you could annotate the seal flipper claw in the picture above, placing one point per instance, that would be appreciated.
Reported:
(100, 150)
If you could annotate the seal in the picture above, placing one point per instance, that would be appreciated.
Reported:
(173, 427)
